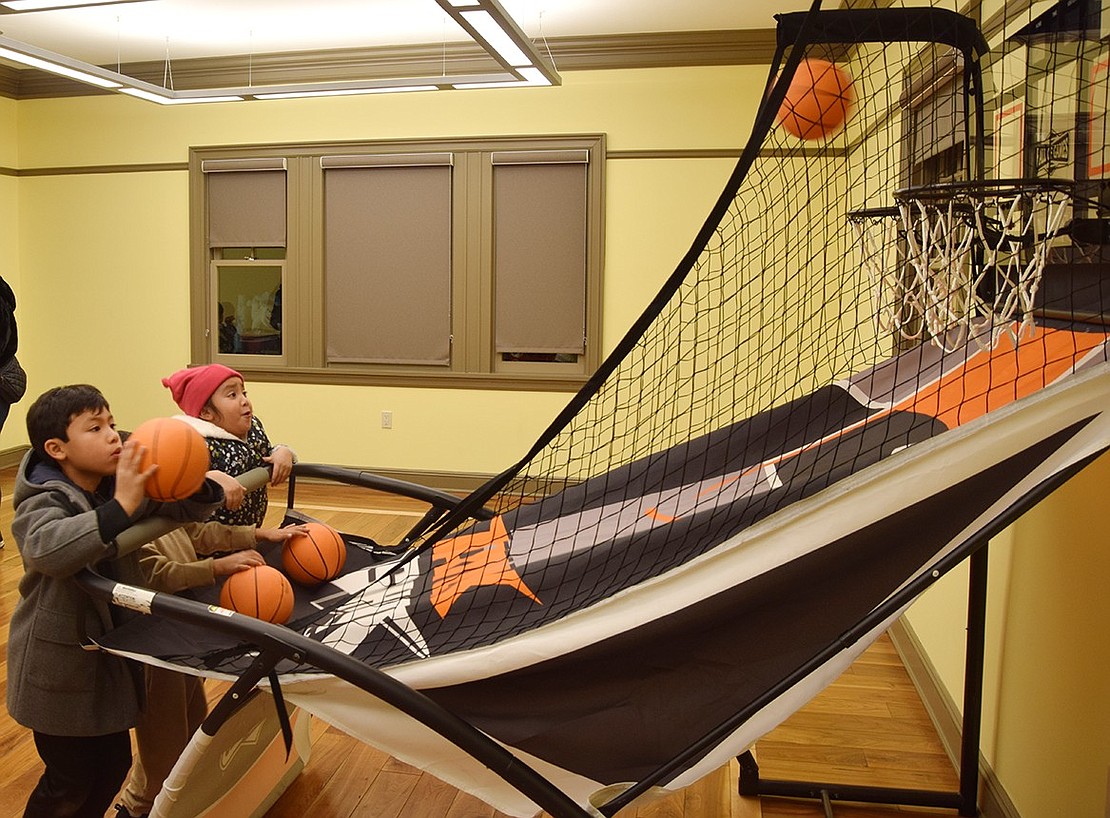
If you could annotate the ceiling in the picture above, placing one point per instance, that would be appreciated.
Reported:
(169, 30)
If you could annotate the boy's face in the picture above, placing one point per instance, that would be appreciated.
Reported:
(92, 450)
(231, 408)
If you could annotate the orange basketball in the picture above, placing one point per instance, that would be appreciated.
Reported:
(820, 98)
(181, 454)
(314, 557)
(260, 591)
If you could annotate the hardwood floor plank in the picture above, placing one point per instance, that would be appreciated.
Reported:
(806, 771)
(387, 795)
(353, 778)
(667, 806)
(15, 789)
(430, 795)
(467, 806)
(711, 797)
(329, 749)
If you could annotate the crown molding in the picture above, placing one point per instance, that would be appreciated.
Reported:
(9, 82)
(661, 50)
(665, 50)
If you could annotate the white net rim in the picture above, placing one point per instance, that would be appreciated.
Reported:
(938, 225)
(954, 192)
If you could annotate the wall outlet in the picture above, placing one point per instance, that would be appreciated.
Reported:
(387, 419)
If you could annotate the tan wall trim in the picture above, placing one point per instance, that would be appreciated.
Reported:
(994, 802)
(10, 458)
(9, 81)
(455, 482)
(460, 483)
(719, 153)
(649, 50)
(164, 167)
(85, 170)
(692, 153)
(665, 50)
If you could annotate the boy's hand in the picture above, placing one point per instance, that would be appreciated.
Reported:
(278, 534)
(281, 458)
(233, 489)
(238, 561)
(130, 480)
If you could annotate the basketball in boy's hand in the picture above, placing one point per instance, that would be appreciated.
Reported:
(820, 98)
(181, 454)
(260, 591)
(314, 557)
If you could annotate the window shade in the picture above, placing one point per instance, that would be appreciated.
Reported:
(378, 160)
(387, 244)
(940, 122)
(246, 202)
(540, 255)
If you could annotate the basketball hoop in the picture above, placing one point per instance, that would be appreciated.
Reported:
(950, 256)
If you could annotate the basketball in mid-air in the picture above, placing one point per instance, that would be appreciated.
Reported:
(260, 591)
(819, 100)
(314, 557)
(181, 454)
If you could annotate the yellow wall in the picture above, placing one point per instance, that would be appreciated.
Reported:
(105, 255)
(1054, 730)
(13, 432)
(1046, 720)
(99, 263)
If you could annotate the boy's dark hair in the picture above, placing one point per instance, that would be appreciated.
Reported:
(50, 414)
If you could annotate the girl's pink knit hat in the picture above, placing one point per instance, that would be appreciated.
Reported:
(191, 388)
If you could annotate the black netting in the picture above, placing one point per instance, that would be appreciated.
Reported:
(799, 341)
(776, 303)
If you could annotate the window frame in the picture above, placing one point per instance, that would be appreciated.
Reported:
(473, 362)
(238, 360)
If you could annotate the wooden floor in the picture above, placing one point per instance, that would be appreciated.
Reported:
(868, 728)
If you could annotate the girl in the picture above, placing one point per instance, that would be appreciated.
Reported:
(214, 400)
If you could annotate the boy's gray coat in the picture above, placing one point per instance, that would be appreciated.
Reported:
(57, 682)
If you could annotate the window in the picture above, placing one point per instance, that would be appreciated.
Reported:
(471, 263)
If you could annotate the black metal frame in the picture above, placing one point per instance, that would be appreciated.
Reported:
(276, 643)
(965, 799)
(439, 502)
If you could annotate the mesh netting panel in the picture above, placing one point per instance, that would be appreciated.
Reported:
(764, 371)
(774, 308)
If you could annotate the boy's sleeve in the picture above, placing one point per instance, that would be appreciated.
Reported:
(196, 508)
(172, 563)
(57, 539)
(111, 520)
(209, 538)
(163, 573)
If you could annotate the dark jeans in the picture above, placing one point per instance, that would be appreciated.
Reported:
(82, 776)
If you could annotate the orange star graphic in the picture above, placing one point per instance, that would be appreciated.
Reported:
(471, 561)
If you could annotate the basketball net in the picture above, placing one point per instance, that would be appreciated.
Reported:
(949, 257)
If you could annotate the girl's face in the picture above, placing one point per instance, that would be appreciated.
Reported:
(230, 408)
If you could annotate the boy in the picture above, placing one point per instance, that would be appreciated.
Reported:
(77, 489)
